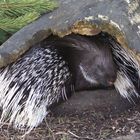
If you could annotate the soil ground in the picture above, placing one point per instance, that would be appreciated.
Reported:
(77, 120)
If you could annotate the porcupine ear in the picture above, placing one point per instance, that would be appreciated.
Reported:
(128, 75)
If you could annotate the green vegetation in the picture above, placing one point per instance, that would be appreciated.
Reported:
(14, 14)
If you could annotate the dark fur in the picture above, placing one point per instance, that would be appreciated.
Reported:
(95, 56)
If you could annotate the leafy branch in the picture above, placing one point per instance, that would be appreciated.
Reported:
(14, 14)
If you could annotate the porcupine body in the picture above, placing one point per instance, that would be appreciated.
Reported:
(32, 85)
(128, 69)
(90, 60)
(46, 74)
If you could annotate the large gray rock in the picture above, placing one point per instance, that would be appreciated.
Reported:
(120, 18)
(105, 101)
(135, 136)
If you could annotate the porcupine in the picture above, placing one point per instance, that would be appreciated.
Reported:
(128, 69)
(89, 59)
(46, 75)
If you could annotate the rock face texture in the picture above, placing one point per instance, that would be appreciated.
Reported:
(120, 18)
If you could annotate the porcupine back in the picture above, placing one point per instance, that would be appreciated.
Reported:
(32, 85)
(128, 70)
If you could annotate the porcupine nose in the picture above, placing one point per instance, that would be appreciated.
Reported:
(111, 81)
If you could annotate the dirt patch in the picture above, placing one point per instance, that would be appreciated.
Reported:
(90, 122)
